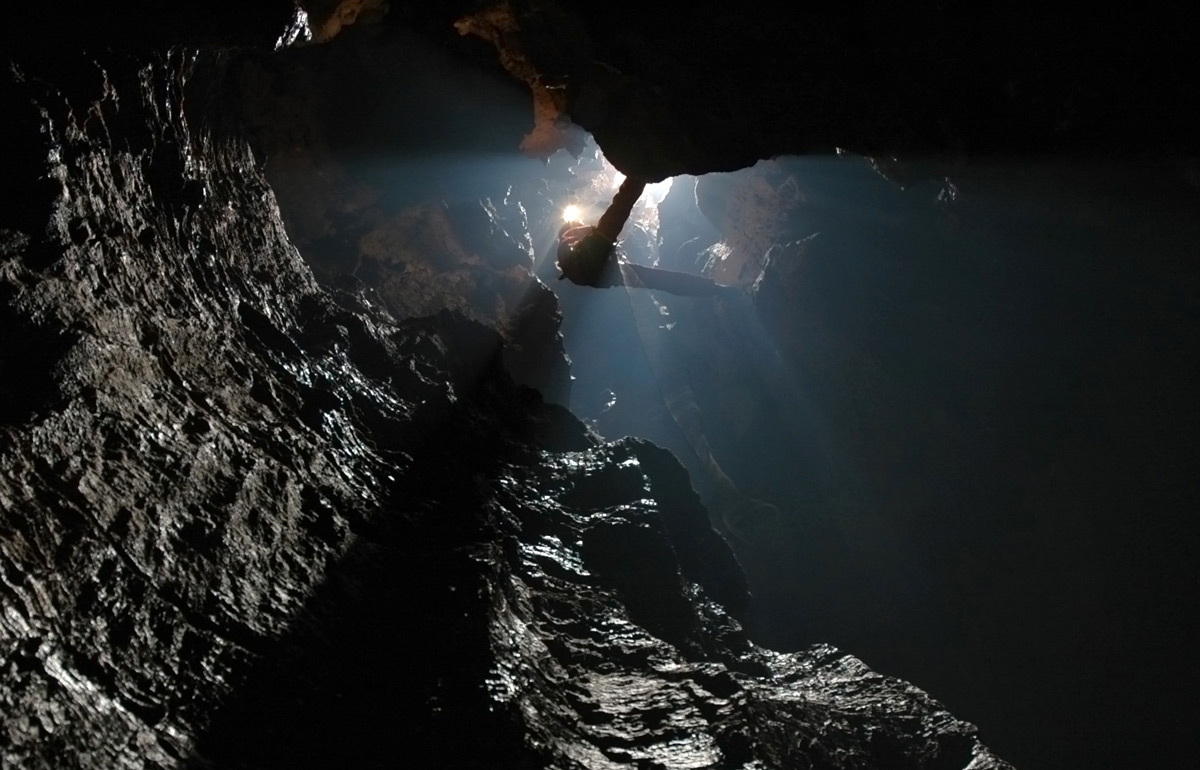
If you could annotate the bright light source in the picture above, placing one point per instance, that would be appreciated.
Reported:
(571, 213)
(657, 191)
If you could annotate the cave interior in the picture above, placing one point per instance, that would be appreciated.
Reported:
(938, 415)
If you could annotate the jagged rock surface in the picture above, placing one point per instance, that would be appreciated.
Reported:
(247, 522)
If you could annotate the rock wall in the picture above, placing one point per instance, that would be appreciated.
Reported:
(247, 521)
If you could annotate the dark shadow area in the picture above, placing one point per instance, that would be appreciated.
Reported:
(388, 661)
(29, 353)
(988, 493)
(141, 26)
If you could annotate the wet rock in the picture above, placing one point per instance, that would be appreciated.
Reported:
(247, 520)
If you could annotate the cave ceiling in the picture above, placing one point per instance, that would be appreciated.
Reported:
(720, 85)
(121, 371)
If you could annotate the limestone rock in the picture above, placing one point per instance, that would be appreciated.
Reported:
(249, 521)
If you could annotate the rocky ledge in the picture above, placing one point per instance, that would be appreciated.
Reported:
(248, 521)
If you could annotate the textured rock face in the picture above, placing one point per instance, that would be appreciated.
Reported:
(249, 522)
(170, 488)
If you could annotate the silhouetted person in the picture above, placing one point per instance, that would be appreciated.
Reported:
(586, 254)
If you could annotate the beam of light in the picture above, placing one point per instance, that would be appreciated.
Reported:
(658, 191)
(596, 336)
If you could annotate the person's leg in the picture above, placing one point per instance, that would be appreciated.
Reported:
(682, 284)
